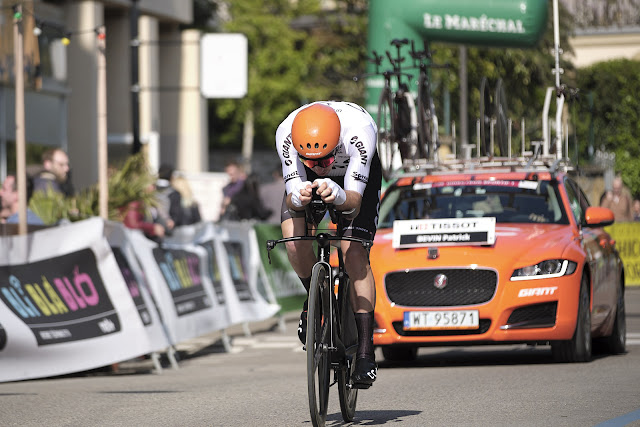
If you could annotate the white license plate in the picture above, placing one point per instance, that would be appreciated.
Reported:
(453, 319)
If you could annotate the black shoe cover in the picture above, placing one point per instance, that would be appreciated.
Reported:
(302, 327)
(365, 373)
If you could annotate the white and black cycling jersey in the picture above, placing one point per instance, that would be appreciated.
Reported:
(355, 151)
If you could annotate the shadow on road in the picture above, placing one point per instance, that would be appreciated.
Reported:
(466, 356)
(372, 418)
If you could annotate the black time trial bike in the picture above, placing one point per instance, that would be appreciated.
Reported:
(332, 335)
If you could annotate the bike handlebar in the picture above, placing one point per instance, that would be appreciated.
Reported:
(323, 239)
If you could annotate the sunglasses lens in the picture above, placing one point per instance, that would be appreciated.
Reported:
(323, 162)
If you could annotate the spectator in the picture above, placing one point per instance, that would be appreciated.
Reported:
(55, 173)
(246, 203)
(169, 199)
(140, 217)
(190, 208)
(268, 192)
(619, 201)
(237, 175)
(636, 210)
(10, 203)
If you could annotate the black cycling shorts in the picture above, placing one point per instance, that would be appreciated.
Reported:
(365, 224)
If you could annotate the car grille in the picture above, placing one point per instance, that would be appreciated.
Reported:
(415, 288)
(484, 327)
(534, 316)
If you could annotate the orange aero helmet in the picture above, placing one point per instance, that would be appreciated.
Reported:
(315, 132)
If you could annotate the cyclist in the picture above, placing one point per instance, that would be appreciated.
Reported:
(330, 146)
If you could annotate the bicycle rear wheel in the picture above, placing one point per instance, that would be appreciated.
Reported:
(317, 344)
(348, 396)
(386, 134)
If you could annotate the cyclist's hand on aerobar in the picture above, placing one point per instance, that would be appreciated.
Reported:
(329, 191)
(301, 194)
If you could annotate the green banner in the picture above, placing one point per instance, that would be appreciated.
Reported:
(498, 23)
(289, 292)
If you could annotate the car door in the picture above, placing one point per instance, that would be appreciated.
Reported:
(600, 255)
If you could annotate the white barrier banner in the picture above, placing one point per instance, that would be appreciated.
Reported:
(173, 273)
(64, 305)
(136, 281)
(235, 259)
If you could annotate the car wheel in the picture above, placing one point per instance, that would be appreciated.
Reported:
(399, 353)
(616, 343)
(578, 348)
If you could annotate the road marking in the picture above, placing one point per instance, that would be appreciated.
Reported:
(633, 338)
(623, 420)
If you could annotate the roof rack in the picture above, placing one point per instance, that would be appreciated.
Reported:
(525, 163)
(545, 156)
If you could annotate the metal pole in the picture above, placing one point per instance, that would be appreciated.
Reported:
(21, 175)
(463, 111)
(102, 126)
(135, 78)
(558, 71)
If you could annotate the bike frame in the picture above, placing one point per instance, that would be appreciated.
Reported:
(320, 358)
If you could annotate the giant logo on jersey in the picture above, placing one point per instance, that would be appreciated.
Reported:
(360, 146)
(286, 148)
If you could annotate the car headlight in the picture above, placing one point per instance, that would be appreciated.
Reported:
(545, 270)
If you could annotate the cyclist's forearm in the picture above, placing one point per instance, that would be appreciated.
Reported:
(354, 199)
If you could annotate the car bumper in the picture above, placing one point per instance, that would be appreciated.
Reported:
(522, 311)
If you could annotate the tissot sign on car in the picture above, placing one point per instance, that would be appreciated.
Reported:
(422, 232)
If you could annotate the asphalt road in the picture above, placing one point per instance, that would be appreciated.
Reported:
(262, 382)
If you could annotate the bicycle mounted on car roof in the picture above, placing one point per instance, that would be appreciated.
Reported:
(406, 134)
(332, 336)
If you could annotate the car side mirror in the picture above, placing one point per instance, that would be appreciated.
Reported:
(598, 217)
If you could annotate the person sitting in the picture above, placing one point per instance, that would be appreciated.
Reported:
(10, 202)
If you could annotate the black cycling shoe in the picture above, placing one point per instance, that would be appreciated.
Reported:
(365, 373)
(302, 327)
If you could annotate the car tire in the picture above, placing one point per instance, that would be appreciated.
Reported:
(578, 348)
(400, 353)
(616, 343)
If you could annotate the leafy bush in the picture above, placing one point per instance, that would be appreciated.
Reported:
(608, 113)
(127, 184)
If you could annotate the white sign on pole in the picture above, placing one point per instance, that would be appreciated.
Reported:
(223, 62)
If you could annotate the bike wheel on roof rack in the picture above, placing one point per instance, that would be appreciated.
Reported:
(502, 119)
(387, 145)
(425, 120)
(485, 118)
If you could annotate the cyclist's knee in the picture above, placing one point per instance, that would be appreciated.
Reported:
(356, 263)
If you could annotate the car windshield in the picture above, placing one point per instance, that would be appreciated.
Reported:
(509, 201)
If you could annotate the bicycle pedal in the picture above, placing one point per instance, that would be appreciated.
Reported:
(359, 386)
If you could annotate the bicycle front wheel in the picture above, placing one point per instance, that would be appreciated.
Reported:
(318, 343)
(348, 396)
(386, 134)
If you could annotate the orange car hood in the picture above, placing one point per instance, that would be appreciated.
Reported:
(516, 245)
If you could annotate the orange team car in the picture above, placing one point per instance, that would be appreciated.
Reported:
(495, 256)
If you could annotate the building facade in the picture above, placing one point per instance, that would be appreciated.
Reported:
(62, 110)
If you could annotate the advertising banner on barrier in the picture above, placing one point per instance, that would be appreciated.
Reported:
(64, 305)
(136, 281)
(236, 265)
(173, 272)
(627, 237)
